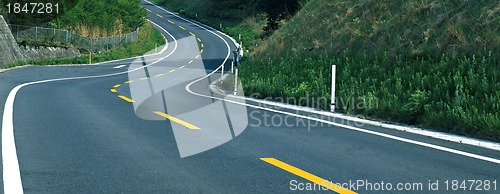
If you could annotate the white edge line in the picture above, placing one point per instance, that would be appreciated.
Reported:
(187, 88)
(414, 130)
(12, 182)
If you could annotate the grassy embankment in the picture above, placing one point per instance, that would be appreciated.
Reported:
(100, 19)
(428, 63)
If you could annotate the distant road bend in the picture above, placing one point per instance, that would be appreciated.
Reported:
(152, 125)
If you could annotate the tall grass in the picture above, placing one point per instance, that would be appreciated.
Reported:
(461, 95)
(428, 63)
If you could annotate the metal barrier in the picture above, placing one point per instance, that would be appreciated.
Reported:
(52, 35)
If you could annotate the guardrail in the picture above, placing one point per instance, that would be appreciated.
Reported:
(58, 36)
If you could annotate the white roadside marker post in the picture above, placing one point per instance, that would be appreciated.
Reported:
(222, 73)
(332, 105)
(236, 82)
(232, 66)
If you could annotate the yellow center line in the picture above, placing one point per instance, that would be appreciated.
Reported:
(117, 86)
(159, 75)
(159, 15)
(125, 98)
(197, 56)
(182, 67)
(170, 21)
(127, 82)
(148, 10)
(192, 34)
(113, 90)
(199, 40)
(308, 176)
(202, 45)
(201, 51)
(171, 71)
(191, 61)
(182, 28)
(144, 78)
(178, 121)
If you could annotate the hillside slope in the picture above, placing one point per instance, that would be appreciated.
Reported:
(429, 63)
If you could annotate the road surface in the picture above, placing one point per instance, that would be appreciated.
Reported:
(151, 125)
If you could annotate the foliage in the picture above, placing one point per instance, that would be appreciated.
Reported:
(27, 18)
(428, 63)
(149, 38)
(96, 18)
(452, 94)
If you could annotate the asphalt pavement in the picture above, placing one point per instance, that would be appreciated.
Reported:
(153, 126)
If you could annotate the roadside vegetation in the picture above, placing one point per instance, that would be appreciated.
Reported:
(427, 63)
(93, 18)
(149, 38)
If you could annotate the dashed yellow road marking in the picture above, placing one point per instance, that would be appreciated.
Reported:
(182, 67)
(148, 10)
(308, 176)
(178, 121)
(170, 21)
(192, 34)
(126, 98)
(117, 86)
(201, 51)
(144, 78)
(199, 40)
(127, 82)
(191, 61)
(159, 15)
(159, 75)
(182, 28)
(197, 56)
(113, 90)
(202, 45)
(171, 71)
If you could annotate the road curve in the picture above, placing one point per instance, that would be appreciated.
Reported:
(139, 129)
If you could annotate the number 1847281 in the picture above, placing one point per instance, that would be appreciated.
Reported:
(33, 8)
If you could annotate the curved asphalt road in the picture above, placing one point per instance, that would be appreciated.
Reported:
(76, 136)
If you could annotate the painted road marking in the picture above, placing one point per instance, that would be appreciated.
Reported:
(12, 182)
(159, 75)
(126, 98)
(171, 71)
(192, 34)
(191, 61)
(182, 67)
(201, 51)
(199, 40)
(148, 10)
(144, 78)
(119, 66)
(178, 121)
(197, 56)
(159, 15)
(117, 86)
(170, 21)
(308, 176)
(182, 28)
(127, 82)
(202, 45)
(113, 90)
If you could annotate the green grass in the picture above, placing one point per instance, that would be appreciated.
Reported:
(149, 38)
(427, 63)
